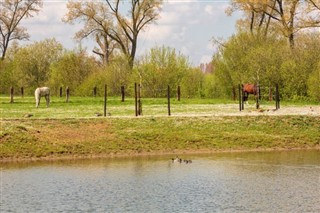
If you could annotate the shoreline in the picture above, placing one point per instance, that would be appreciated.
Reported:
(58, 139)
(142, 155)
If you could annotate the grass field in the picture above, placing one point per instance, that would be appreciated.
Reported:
(196, 125)
(87, 107)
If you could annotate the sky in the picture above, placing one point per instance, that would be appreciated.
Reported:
(185, 25)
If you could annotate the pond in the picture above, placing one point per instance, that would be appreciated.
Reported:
(224, 182)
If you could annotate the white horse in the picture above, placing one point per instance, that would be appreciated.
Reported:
(42, 91)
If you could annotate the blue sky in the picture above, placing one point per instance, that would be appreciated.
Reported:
(186, 25)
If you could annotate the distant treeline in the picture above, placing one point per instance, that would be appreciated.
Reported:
(241, 59)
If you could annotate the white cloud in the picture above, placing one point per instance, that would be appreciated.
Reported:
(209, 9)
(185, 25)
(157, 33)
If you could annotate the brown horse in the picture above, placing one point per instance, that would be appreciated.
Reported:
(250, 89)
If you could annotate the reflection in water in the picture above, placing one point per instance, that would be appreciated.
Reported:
(234, 182)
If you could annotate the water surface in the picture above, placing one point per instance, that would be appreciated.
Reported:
(234, 182)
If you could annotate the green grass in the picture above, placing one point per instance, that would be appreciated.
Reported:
(86, 137)
(72, 129)
(79, 107)
(86, 107)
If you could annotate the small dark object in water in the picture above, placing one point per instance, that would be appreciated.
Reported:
(187, 161)
(176, 160)
(179, 160)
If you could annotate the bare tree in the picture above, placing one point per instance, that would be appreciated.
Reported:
(11, 14)
(285, 16)
(141, 13)
(112, 29)
(97, 24)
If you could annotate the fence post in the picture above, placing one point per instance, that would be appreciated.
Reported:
(105, 101)
(277, 97)
(136, 98)
(67, 94)
(94, 91)
(139, 100)
(11, 94)
(168, 96)
(22, 92)
(240, 98)
(122, 93)
(60, 92)
(179, 93)
(258, 97)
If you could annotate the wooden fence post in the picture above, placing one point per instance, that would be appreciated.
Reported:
(179, 93)
(105, 101)
(122, 93)
(258, 97)
(22, 92)
(136, 98)
(11, 94)
(67, 94)
(139, 100)
(168, 96)
(240, 98)
(277, 97)
(94, 91)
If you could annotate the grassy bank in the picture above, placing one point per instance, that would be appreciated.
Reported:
(36, 138)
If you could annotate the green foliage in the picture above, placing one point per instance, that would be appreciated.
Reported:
(268, 61)
(161, 67)
(7, 77)
(213, 88)
(71, 70)
(192, 83)
(30, 65)
(97, 79)
(314, 83)
(119, 74)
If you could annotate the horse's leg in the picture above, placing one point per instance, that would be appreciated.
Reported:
(47, 100)
(38, 101)
(246, 97)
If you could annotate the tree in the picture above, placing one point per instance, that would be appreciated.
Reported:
(108, 24)
(141, 13)
(192, 83)
(11, 14)
(97, 24)
(248, 59)
(161, 67)
(71, 69)
(32, 62)
(286, 17)
(314, 83)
